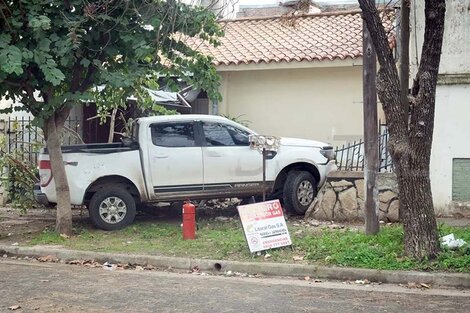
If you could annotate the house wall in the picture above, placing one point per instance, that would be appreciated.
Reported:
(451, 124)
(451, 140)
(314, 103)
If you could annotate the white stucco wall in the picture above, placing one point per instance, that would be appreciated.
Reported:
(4, 104)
(451, 140)
(456, 46)
(452, 119)
(314, 103)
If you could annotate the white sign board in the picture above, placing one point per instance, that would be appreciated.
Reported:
(264, 225)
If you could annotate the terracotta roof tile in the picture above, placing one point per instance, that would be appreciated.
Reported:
(327, 36)
(320, 37)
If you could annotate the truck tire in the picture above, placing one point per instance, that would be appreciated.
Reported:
(112, 208)
(300, 189)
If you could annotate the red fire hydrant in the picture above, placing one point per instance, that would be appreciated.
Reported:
(189, 221)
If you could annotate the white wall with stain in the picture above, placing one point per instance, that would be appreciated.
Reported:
(452, 119)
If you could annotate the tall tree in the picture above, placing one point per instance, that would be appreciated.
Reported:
(53, 51)
(411, 126)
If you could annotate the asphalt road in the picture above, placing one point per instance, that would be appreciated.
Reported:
(49, 287)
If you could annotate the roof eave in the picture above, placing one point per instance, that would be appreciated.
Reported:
(347, 62)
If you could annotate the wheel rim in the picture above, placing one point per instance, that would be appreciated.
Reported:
(112, 210)
(305, 192)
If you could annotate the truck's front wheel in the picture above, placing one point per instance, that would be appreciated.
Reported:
(112, 208)
(300, 189)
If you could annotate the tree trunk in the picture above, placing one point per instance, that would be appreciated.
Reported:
(411, 127)
(112, 125)
(419, 222)
(64, 208)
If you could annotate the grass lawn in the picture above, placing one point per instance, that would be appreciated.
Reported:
(225, 240)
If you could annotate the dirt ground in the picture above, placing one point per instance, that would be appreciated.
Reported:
(17, 227)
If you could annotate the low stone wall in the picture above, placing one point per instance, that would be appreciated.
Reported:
(342, 198)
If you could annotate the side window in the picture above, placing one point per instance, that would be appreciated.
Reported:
(217, 134)
(240, 136)
(173, 134)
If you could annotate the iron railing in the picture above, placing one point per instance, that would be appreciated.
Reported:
(26, 139)
(350, 157)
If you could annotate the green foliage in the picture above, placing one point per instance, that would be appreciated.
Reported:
(65, 48)
(383, 251)
(225, 240)
(108, 98)
(18, 178)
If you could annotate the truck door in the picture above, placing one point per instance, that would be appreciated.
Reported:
(230, 166)
(175, 161)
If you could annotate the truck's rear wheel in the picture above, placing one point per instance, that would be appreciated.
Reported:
(300, 189)
(112, 208)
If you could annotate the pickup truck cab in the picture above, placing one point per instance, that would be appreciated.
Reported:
(180, 157)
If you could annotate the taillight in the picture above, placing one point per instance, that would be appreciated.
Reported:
(45, 172)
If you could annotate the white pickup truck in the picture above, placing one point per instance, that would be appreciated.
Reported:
(179, 157)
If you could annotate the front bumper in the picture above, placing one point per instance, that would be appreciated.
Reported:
(331, 167)
(39, 196)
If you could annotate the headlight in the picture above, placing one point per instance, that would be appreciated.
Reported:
(328, 153)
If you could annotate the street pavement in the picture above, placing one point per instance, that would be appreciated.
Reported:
(54, 287)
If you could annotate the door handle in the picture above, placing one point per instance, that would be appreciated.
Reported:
(160, 156)
(213, 154)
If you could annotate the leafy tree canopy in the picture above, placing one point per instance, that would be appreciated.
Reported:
(53, 51)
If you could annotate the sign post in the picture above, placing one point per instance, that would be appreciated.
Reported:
(264, 144)
(264, 225)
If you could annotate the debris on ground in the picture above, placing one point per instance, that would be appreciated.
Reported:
(109, 266)
(362, 282)
(298, 258)
(267, 256)
(415, 285)
(48, 258)
(314, 223)
(450, 242)
(14, 307)
(222, 218)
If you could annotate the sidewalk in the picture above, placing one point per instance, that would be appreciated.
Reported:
(454, 280)
(22, 226)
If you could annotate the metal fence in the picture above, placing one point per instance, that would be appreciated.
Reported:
(350, 157)
(26, 139)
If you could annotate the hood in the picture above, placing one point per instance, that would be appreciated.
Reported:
(303, 143)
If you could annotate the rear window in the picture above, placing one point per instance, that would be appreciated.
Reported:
(173, 134)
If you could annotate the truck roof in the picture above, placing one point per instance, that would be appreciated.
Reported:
(145, 121)
(182, 117)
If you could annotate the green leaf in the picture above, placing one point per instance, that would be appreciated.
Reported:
(44, 44)
(27, 54)
(10, 60)
(40, 22)
(5, 40)
(85, 62)
(51, 73)
(55, 76)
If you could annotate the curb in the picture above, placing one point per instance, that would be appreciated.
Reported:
(455, 280)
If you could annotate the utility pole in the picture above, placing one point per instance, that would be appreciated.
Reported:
(371, 143)
(404, 38)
